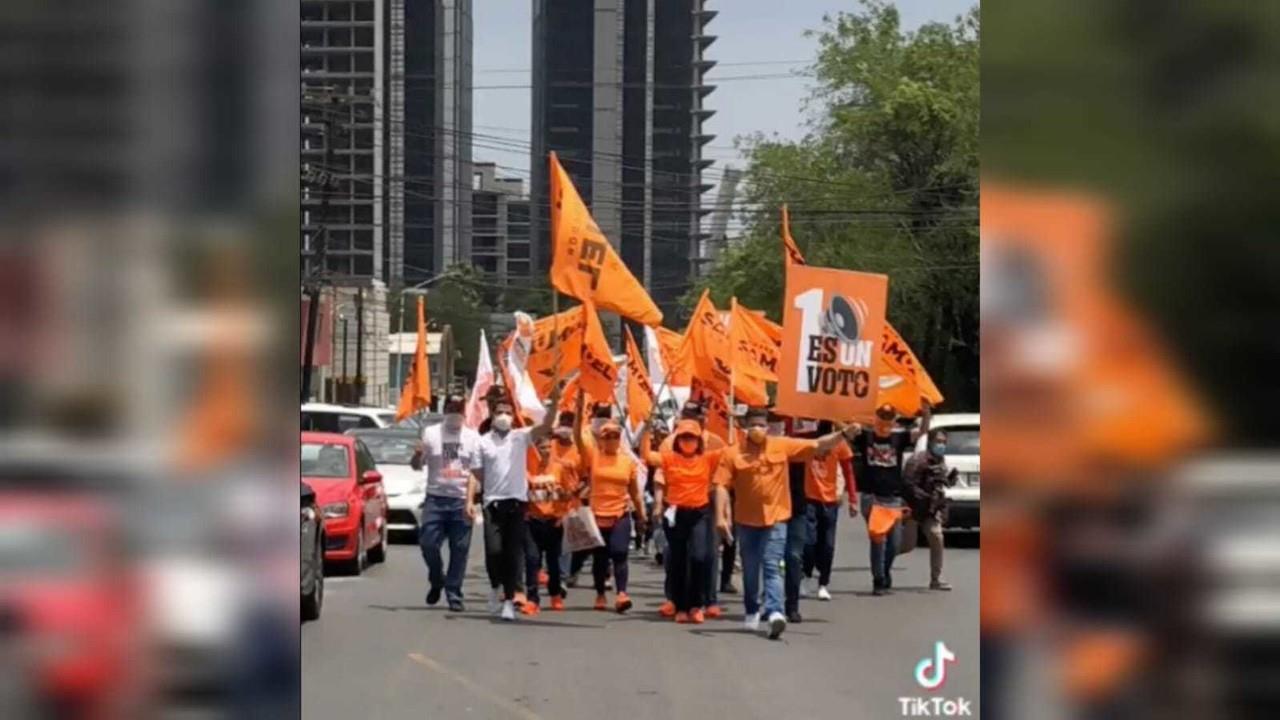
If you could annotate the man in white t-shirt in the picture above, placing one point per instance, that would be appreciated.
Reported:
(501, 473)
(449, 451)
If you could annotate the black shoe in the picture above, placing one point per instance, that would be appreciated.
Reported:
(794, 617)
(657, 558)
(728, 588)
(433, 595)
(888, 581)
(879, 590)
(457, 606)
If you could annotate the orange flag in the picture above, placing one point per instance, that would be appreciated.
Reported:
(639, 389)
(708, 352)
(755, 353)
(791, 252)
(584, 265)
(716, 405)
(597, 373)
(415, 396)
(570, 326)
(903, 380)
(670, 344)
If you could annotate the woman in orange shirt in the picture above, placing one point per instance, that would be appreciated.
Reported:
(613, 477)
(687, 467)
(553, 487)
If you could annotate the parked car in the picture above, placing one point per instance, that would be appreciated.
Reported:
(393, 451)
(322, 417)
(311, 563)
(351, 496)
(963, 455)
(71, 603)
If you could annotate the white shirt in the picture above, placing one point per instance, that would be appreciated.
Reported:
(502, 465)
(450, 458)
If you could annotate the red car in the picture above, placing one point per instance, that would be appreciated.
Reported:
(351, 497)
(71, 600)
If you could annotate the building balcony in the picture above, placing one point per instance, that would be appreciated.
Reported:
(704, 41)
(704, 65)
(704, 163)
(704, 90)
(703, 138)
(703, 113)
(705, 16)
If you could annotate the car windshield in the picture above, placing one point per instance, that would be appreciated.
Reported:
(962, 441)
(390, 450)
(28, 548)
(325, 460)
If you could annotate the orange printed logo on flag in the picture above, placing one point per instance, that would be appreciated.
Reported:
(639, 389)
(597, 374)
(415, 396)
(832, 321)
(584, 265)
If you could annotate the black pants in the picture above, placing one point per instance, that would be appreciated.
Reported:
(617, 543)
(820, 545)
(690, 556)
(504, 540)
(578, 560)
(727, 557)
(545, 538)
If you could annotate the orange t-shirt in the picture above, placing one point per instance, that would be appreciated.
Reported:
(611, 478)
(552, 492)
(762, 492)
(820, 474)
(687, 480)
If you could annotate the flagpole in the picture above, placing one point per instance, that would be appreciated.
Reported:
(733, 372)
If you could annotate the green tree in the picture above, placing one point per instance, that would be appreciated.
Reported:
(886, 180)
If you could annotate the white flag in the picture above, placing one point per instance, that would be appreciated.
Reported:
(477, 408)
(524, 393)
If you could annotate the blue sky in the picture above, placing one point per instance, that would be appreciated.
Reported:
(749, 31)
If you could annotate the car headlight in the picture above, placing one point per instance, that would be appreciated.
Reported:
(336, 510)
(308, 515)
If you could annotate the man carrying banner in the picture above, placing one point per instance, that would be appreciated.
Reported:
(879, 451)
(756, 471)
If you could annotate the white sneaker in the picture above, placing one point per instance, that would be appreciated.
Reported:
(495, 604)
(508, 611)
(752, 623)
(777, 623)
(824, 594)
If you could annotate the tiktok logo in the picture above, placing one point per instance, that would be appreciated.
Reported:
(931, 672)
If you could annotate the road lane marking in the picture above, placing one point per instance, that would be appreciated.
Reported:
(516, 710)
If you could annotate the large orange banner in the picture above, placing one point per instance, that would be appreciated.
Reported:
(832, 324)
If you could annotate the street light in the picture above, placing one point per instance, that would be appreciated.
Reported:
(418, 289)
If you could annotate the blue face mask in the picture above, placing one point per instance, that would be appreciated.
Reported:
(938, 449)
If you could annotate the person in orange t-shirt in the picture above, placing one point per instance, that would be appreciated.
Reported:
(822, 510)
(685, 485)
(614, 477)
(756, 471)
(553, 488)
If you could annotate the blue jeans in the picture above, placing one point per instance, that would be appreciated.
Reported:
(882, 553)
(762, 548)
(442, 518)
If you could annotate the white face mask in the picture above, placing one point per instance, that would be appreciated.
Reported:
(453, 423)
(502, 423)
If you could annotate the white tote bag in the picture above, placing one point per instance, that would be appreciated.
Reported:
(580, 530)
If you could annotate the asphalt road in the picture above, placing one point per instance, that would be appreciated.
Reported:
(379, 652)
